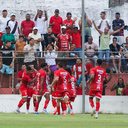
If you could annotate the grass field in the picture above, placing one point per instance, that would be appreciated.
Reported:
(50, 121)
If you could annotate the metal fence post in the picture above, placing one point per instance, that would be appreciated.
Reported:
(83, 60)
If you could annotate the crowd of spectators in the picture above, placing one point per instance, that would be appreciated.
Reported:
(54, 38)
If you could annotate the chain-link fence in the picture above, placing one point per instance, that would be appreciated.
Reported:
(9, 83)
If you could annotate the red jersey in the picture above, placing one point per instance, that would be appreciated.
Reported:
(64, 40)
(25, 79)
(76, 39)
(20, 74)
(43, 75)
(27, 27)
(68, 24)
(89, 66)
(72, 84)
(99, 75)
(77, 69)
(56, 28)
(63, 82)
(125, 91)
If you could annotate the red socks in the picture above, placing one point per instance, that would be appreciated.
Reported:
(97, 106)
(70, 105)
(58, 110)
(36, 106)
(34, 102)
(46, 103)
(28, 103)
(22, 101)
(91, 102)
(64, 107)
(54, 103)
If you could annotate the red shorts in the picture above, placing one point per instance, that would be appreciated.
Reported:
(23, 91)
(60, 95)
(45, 91)
(38, 93)
(72, 93)
(94, 93)
(30, 92)
(72, 99)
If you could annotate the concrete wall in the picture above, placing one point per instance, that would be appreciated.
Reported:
(21, 7)
(109, 104)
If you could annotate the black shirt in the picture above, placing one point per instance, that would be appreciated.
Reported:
(114, 50)
(7, 55)
(117, 24)
(49, 38)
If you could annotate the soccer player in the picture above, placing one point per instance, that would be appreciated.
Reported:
(26, 80)
(19, 76)
(46, 90)
(72, 90)
(61, 80)
(31, 88)
(97, 76)
(42, 88)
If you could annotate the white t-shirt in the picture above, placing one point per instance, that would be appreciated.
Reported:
(50, 57)
(30, 55)
(36, 37)
(11, 24)
(42, 25)
(3, 23)
(103, 24)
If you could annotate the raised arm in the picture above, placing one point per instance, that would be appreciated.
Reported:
(100, 32)
(118, 30)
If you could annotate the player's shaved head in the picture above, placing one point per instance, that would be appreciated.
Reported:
(99, 62)
(60, 65)
(28, 68)
(43, 65)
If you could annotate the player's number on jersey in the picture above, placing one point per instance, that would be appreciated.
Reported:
(99, 78)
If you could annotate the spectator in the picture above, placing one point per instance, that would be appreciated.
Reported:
(29, 53)
(1, 43)
(41, 21)
(27, 26)
(69, 23)
(20, 50)
(13, 24)
(125, 90)
(117, 24)
(3, 21)
(105, 41)
(103, 22)
(8, 61)
(55, 22)
(49, 38)
(87, 26)
(115, 54)
(125, 55)
(76, 39)
(118, 86)
(77, 68)
(50, 57)
(64, 41)
(37, 40)
(8, 37)
(72, 56)
(91, 49)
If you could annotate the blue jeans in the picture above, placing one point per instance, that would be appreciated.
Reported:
(105, 53)
(79, 52)
(7, 70)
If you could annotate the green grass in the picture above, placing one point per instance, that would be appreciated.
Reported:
(50, 121)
